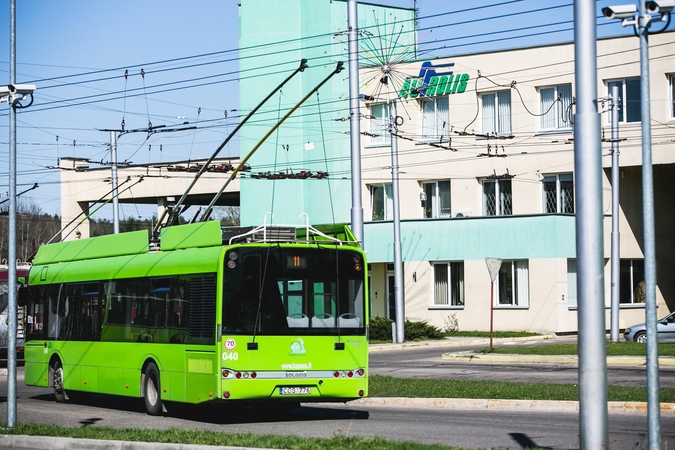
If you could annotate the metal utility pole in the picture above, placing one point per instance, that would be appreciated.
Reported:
(11, 272)
(653, 406)
(115, 202)
(398, 263)
(355, 120)
(589, 238)
(615, 102)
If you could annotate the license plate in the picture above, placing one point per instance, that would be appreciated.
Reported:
(294, 390)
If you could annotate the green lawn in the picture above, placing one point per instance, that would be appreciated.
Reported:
(613, 349)
(183, 436)
(385, 386)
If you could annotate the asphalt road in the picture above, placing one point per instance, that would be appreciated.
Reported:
(469, 428)
(464, 427)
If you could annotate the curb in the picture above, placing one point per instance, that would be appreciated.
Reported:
(550, 359)
(509, 405)
(61, 443)
(454, 343)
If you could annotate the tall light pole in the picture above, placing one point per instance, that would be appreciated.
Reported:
(641, 21)
(593, 433)
(355, 120)
(615, 102)
(13, 94)
(398, 260)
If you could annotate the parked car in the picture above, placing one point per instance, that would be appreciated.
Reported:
(665, 327)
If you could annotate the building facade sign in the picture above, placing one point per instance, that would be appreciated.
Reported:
(429, 83)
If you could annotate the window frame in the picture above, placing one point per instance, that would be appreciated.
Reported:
(559, 192)
(671, 96)
(444, 122)
(379, 125)
(498, 127)
(625, 99)
(387, 202)
(433, 208)
(499, 199)
(516, 286)
(558, 112)
(635, 269)
(459, 277)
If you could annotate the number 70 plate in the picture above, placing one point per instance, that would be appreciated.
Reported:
(305, 390)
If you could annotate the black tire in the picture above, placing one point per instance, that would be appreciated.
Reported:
(152, 390)
(57, 382)
(641, 337)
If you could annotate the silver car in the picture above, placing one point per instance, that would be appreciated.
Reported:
(665, 327)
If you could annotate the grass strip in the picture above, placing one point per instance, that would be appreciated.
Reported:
(613, 349)
(200, 437)
(495, 334)
(387, 386)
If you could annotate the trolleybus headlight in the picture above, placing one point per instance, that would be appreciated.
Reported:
(231, 264)
(357, 259)
(357, 267)
(233, 255)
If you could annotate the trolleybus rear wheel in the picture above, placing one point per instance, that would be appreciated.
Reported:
(152, 389)
(57, 382)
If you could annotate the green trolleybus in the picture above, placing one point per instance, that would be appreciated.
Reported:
(207, 314)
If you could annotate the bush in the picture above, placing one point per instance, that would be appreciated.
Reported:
(380, 330)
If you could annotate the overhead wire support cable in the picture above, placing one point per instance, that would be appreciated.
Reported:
(175, 211)
(207, 211)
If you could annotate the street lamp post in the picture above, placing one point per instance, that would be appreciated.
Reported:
(641, 21)
(13, 94)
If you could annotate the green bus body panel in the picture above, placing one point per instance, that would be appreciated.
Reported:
(132, 243)
(195, 235)
(198, 260)
(296, 358)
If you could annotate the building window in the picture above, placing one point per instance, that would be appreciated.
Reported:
(449, 284)
(632, 281)
(437, 203)
(671, 80)
(629, 94)
(497, 113)
(559, 194)
(556, 114)
(435, 119)
(382, 202)
(497, 197)
(379, 124)
(512, 284)
(571, 283)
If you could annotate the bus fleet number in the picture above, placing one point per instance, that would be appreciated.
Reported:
(232, 356)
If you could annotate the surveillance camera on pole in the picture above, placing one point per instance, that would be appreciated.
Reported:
(661, 7)
(619, 12)
(14, 93)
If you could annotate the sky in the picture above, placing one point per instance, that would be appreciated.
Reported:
(101, 65)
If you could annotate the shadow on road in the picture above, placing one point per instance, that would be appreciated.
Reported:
(216, 413)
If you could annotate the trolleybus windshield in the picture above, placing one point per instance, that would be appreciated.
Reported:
(289, 291)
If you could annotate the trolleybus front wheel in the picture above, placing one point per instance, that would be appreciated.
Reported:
(57, 382)
(153, 394)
